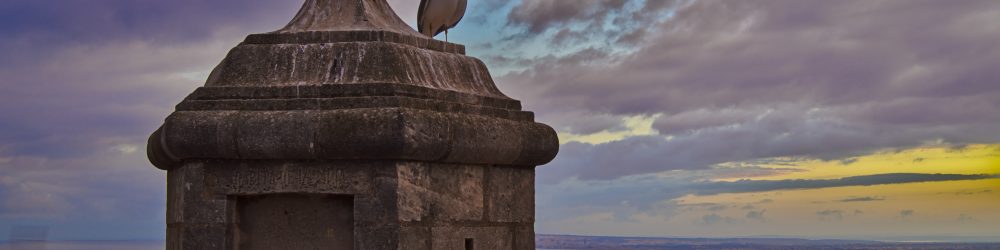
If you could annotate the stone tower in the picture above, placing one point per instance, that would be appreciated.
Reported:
(347, 129)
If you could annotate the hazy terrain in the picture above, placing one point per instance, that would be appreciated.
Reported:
(553, 242)
(597, 242)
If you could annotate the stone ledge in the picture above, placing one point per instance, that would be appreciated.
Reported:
(316, 37)
(349, 90)
(351, 134)
(317, 104)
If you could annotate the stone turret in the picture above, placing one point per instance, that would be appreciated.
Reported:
(347, 129)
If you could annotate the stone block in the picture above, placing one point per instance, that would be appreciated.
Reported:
(524, 236)
(188, 199)
(480, 135)
(202, 236)
(456, 192)
(379, 208)
(204, 134)
(511, 193)
(360, 134)
(293, 130)
(414, 191)
(455, 238)
(415, 238)
(375, 237)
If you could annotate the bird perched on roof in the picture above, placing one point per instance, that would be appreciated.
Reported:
(436, 16)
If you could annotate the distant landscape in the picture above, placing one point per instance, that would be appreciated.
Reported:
(553, 242)
(566, 242)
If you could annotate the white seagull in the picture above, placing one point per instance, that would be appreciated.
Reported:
(436, 16)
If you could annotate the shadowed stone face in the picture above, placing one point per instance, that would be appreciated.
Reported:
(295, 221)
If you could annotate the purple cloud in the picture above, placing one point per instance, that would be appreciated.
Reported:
(746, 80)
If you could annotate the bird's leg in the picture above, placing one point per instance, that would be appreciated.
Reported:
(445, 35)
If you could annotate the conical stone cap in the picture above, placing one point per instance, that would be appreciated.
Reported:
(336, 42)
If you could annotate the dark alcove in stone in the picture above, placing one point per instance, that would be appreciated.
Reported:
(294, 221)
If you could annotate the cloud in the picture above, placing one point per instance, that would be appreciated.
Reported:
(906, 213)
(540, 15)
(867, 180)
(176, 21)
(738, 81)
(831, 214)
(716, 208)
(661, 194)
(107, 190)
(974, 192)
(756, 215)
(965, 218)
(712, 219)
(85, 82)
(863, 199)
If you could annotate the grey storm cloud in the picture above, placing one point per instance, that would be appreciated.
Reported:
(80, 72)
(573, 22)
(745, 80)
(539, 15)
(84, 83)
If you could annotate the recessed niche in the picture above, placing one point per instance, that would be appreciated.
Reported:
(294, 221)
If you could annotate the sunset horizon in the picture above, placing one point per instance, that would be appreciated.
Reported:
(822, 120)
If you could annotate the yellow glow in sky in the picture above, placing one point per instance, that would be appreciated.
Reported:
(635, 126)
(972, 159)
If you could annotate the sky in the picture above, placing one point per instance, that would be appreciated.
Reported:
(855, 119)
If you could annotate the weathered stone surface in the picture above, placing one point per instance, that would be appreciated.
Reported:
(343, 15)
(201, 237)
(512, 194)
(314, 37)
(294, 221)
(357, 134)
(375, 237)
(414, 192)
(348, 129)
(364, 91)
(415, 238)
(456, 193)
(190, 202)
(524, 236)
(452, 237)
(352, 63)
(269, 177)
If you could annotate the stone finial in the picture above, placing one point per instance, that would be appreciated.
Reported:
(347, 15)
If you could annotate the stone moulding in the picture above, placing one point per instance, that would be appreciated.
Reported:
(373, 121)
(314, 37)
(352, 134)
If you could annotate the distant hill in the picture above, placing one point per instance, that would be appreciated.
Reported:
(641, 243)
